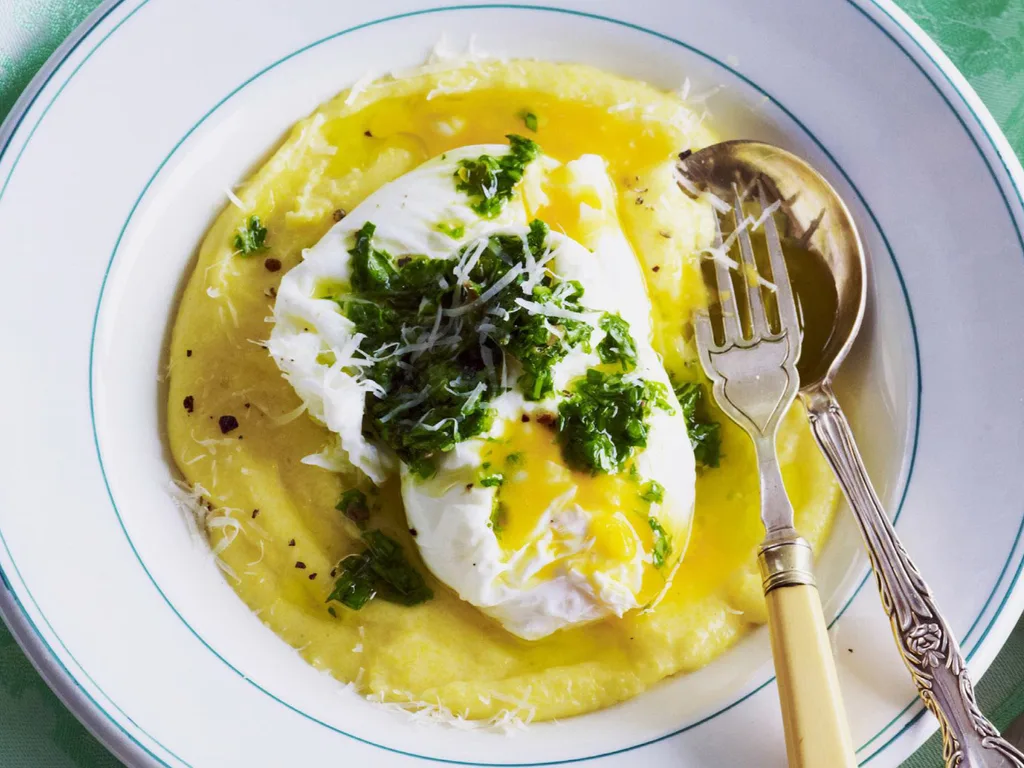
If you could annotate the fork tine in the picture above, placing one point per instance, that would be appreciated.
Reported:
(705, 339)
(758, 318)
(780, 276)
(726, 294)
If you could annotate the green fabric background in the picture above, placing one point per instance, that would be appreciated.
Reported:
(985, 38)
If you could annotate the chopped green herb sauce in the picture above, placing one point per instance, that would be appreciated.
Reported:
(653, 492)
(437, 353)
(497, 523)
(489, 181)
(381, 570)
(251, 237)
(705, 433)
(617, 346)
(492, 480)
(353, 505)
(455, 231)
(604, 418)
(529, 120)
(662, 544)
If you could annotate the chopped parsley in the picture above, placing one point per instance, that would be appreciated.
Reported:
(381, 570)
(353, 505)
(492, 480)
(373, 271)
(437, 354)
(497, 523)
(454, 230)
(529, 120)
(653, 492)
(662, 544)
(617, 346)
(251, 237)
(705, 433)
(489, 181)
(604, 418)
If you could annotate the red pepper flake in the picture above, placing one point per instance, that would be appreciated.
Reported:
(526, 418)
(339, 214)
(291, 543)
(190, 403)
(547, 419)
(272, 264)
(255, 513)
(188, 353)
(413, 532)
(227, 424)
(367, 133)
(655, 268)
(312, 576)
(300, 565)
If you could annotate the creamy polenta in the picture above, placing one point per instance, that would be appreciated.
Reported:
(239, 435)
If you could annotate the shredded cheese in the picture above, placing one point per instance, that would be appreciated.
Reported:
(701, 194)
(507, 721)
(235, 200)
(550, 310)
(507, 279)
(197, 510)
(358, 87)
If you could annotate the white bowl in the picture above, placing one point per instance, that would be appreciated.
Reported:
(113, 165)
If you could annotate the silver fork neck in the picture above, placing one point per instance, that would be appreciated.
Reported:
(776, 509)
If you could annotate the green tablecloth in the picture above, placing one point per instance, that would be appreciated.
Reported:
(985, 38)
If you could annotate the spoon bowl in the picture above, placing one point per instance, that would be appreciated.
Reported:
(818, 228)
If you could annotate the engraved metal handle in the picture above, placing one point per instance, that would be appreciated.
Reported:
(925, 640)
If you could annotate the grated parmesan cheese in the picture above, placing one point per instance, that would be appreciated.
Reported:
(358, 87)
(193, 502)
(235, 200)
(507, 721)
(549, 310)
(507, 279)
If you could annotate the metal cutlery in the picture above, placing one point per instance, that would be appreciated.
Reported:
(755, 379)
(821, 221)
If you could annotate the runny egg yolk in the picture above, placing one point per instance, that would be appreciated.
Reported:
(565, 202)
(535, 476)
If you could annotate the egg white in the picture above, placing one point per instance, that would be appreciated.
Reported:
(451, 517)
(406, 212)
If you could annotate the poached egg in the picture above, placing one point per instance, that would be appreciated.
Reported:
(505, 520)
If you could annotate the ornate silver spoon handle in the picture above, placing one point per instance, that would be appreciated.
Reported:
(926, 643)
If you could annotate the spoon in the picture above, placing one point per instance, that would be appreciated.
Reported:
(828, 246)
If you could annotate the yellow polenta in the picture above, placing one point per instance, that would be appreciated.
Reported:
(290, 536)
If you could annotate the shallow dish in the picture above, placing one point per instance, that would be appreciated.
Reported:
(114, 165)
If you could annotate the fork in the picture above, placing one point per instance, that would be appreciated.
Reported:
(754, 382)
